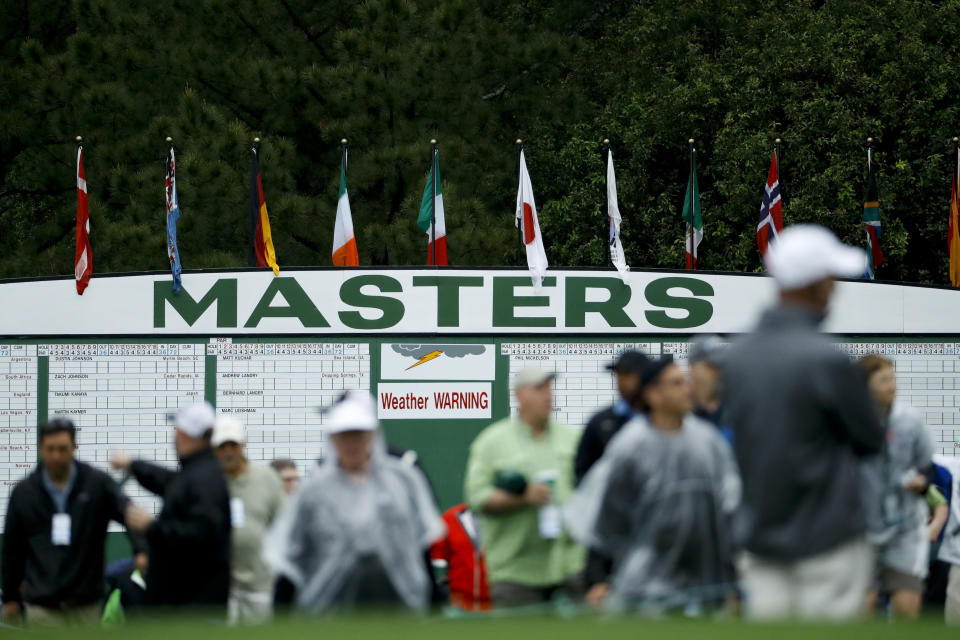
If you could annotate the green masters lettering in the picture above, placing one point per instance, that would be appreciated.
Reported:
(698, 311)
(223, 292)
(391, 309)
(612, 309)
(505, 302)
(298, 306)
(448, 295)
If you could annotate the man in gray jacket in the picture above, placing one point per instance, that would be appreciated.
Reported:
(802, 420)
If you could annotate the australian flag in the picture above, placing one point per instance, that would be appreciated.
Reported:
(173, 214)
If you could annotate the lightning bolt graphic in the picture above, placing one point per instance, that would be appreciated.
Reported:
(429, 356)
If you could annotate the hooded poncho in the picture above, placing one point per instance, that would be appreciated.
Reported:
(659, 504)
(336, 521)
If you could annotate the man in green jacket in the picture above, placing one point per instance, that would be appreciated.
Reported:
(519, 474)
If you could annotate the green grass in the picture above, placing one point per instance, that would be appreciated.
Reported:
(386, 626)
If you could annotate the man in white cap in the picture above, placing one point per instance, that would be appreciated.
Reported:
(519, 474)
(354, 535)
(803, 421)
(256, 495)
(189, 540)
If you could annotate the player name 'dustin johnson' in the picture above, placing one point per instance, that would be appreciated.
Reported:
(441, 400)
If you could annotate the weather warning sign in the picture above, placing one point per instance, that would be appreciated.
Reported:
(435, 380)
(435, 361)
(433, 400)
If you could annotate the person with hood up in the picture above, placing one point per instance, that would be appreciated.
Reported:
(661, 501)
(355, 533)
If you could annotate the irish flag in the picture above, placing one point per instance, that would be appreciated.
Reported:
(344, 244)
(431, 216)
(529, 226)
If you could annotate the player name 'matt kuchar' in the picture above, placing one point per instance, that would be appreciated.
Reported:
(441, 400)
(378, 301)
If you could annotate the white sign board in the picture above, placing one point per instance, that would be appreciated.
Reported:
(447, 301)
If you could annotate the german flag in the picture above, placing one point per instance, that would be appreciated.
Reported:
(263, 254)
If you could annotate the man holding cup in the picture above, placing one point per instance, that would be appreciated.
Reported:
(519, 474)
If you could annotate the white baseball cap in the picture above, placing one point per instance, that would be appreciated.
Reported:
(195, 419)
(356, 411)
(807, 253)
(228, 429)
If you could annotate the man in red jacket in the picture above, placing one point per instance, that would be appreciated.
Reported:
(463, 553)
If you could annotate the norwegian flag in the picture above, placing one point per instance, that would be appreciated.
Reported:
(83, 257)
(771, 209)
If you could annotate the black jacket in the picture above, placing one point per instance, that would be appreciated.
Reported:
(190, 539)
(596, 435)
(602, 427)
(59, 576)
(803, 421)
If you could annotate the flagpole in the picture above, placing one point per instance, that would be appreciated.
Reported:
(166, 161)
(520, 186)
(433, 200)
(689, 231)
(77, 171)
(79, 148)
(254, 209)
(779, 153)
(606, 182)
(343, 165)
(956, 166)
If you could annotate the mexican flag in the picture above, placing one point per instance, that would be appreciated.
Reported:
(691, 213)
(431, 219)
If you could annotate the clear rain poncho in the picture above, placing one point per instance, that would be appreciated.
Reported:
(335, 523)
(660, 505)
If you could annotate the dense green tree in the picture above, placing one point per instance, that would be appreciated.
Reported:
(823, 76)
(391, 74)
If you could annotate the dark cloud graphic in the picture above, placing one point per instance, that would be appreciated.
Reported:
(417, 351)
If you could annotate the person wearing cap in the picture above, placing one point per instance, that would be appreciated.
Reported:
(189, 541)
(607, 422)
(599, 430)
(355, 534)
(660, 503)
(706, 377)
(54, 534)
(256, 495)
(519, 475)
(803, 421)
